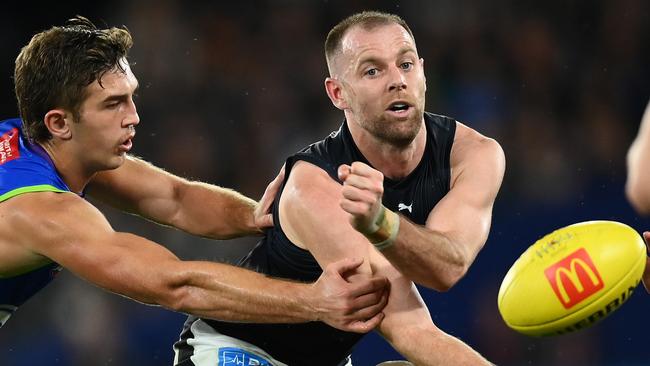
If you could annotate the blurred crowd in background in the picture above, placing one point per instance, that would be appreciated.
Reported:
(229, 89)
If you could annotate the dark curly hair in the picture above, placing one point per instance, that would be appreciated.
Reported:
(57, 65)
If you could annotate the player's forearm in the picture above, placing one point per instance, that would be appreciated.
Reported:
(429, 346)
(224, 292)
(427, 257)
(144, 271)
(214, 212)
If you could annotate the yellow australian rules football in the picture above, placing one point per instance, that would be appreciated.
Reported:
(572, 278)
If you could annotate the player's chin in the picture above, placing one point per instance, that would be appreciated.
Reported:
(403, 132)
(115, 161)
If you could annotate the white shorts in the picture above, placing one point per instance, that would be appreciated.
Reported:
(215, 349)
(211, 348)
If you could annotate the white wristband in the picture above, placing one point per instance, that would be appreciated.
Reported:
(385, 229)
(393, 235)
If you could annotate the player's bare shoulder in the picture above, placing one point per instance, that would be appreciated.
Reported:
(469, 143)
(306, 178)
(25, 225)
(475, 150)
(31, 222)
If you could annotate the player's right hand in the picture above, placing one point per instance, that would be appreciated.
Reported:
(646, 273)
(350, 301)
(363, 188)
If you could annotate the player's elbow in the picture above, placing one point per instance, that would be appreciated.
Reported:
(172, 290)
(174, 300)
(446, 276)
(451, 276)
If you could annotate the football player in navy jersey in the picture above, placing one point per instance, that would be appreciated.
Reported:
(75, 93)
(377, 80)
(410, 191)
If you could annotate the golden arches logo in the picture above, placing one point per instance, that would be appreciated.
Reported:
(574, 278)
(572, 275)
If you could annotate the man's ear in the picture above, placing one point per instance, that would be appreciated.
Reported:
(58, 123)
(425, 76)
(335, 92)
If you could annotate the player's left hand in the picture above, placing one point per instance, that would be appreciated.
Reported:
(263, 214)
(348, 300)
(646, 274)
(363, 188)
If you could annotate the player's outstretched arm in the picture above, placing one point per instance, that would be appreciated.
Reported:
(312, 218)
(197, 208)
(73, 233)
(408, 326)
(637, 186)
(438, 254)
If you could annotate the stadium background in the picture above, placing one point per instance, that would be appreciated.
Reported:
(229, 89)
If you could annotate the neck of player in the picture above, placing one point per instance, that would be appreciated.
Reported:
(72, 171)
(395, 162)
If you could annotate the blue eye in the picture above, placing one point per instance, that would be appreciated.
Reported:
(406, 65)
(371, 72)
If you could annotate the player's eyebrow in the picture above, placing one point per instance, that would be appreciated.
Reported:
(119, 97)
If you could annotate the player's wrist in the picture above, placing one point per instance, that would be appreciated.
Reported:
(384, 229)
(309, 297)
(255, 224)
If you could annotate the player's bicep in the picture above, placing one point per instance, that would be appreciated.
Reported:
(138, 187)
(465, 213)
(464, 219)
(311, 217)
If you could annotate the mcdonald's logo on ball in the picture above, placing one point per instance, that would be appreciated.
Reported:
(574, 278)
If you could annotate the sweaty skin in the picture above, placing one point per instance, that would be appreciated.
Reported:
(43, 227)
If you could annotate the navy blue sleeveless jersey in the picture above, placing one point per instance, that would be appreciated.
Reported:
(24, 167)
(316, 343)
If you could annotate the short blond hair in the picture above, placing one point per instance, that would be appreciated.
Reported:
(368, 20)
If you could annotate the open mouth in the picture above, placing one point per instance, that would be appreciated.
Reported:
(126, 145)
(399, 108)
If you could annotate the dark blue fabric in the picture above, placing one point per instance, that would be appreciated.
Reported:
(316, 343)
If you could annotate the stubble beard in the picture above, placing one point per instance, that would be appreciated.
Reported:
(394, 132)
